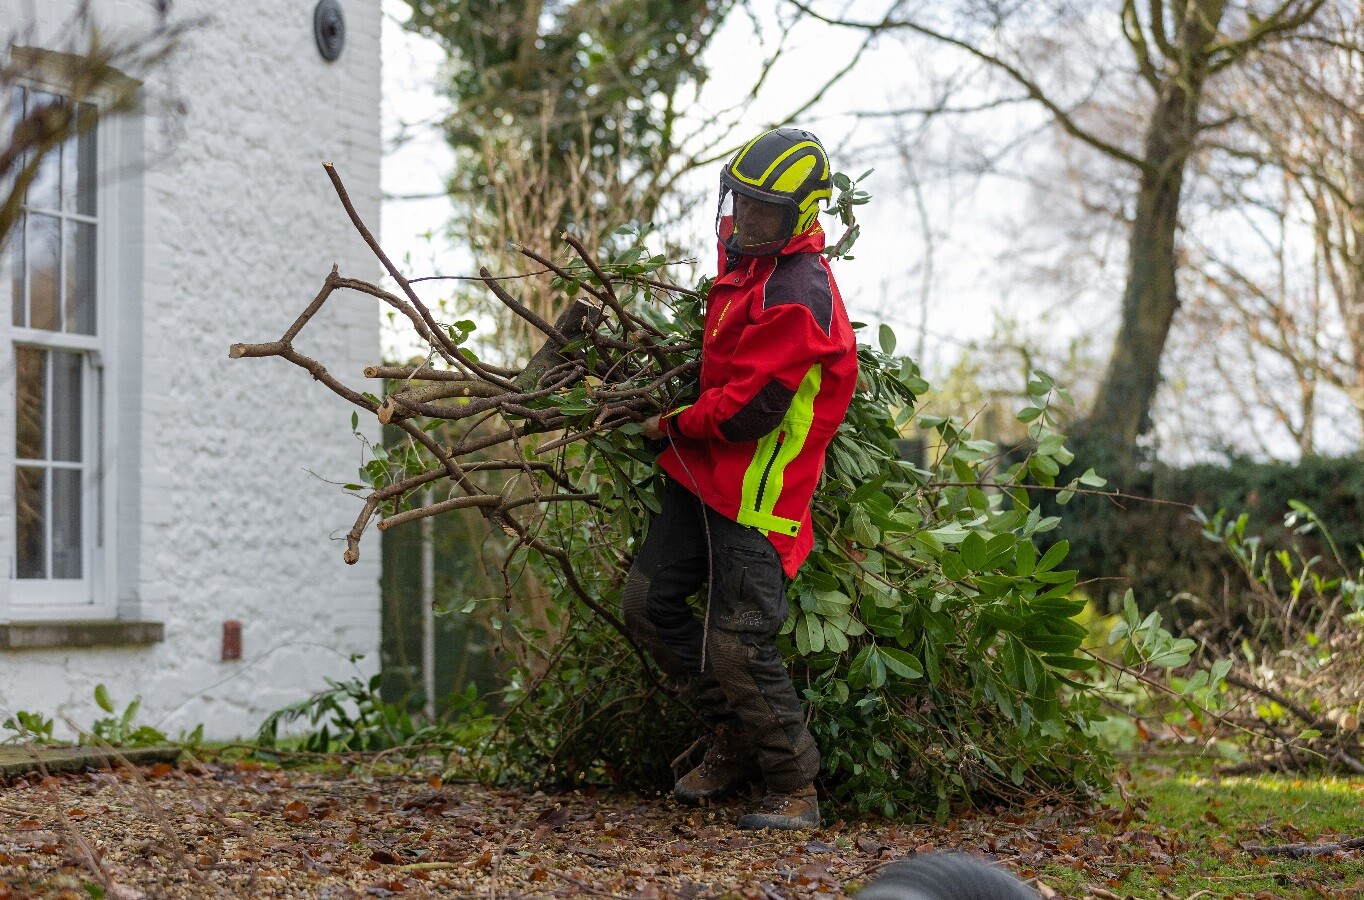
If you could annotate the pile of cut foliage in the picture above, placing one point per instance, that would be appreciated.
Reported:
(933, 642)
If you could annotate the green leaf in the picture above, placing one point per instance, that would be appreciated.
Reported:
(1175, 655)
(953, 568)
(1058, 644)
(1050, 444)
(832, 603)
(1091, 479)
(1069, 663)
(1053, 556)
(102, 698)
(887, 338)
(973, 552)
(901, 662)
(809, 635)
(868, 490)
(1045, 466)
(876, 669)
(834, 638)
(866, 533)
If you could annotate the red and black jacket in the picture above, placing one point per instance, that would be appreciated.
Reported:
(778, 368)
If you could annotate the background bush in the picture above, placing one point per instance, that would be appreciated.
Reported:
(1158, 549)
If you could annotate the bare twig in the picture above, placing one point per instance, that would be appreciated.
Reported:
(1299, 851)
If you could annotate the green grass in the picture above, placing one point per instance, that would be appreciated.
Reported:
(1186, 828)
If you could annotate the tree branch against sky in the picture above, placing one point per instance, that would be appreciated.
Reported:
(1175, 48)
(597, 113)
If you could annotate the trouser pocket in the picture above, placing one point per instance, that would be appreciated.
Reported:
(752, 591)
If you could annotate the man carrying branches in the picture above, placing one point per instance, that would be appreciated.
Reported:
(778, 368)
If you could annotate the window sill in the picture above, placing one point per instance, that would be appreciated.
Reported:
(110, 633)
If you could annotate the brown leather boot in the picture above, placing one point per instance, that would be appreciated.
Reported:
(794, 811)
(729, 762)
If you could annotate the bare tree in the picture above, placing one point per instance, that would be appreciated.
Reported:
(1312, 130)
(1271, 263)
(1177, 48)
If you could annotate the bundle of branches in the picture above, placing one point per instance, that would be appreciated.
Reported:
(932, 640)
(602, 366)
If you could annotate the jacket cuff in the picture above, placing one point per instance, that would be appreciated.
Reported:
(670, 422)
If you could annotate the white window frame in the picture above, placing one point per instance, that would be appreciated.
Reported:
(94, 597)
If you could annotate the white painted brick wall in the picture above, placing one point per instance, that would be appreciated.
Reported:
(241, 227)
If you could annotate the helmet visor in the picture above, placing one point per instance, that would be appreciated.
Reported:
(750, 223)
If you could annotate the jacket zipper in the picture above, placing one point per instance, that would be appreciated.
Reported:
(762, 482)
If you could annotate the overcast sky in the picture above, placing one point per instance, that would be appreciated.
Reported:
(992, 248)
(884, 282)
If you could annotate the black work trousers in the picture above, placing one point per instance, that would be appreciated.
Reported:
(744, 681)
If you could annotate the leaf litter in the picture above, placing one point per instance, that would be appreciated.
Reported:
(243, 830)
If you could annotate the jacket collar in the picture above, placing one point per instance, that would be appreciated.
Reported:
(811, 240)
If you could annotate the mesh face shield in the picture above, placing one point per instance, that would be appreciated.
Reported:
(751, 222)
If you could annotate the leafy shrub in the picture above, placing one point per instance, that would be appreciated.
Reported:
(1287, 693)
(122, 729)
(932, 639)
(29, 728)
(1158, 549)
(352, 716)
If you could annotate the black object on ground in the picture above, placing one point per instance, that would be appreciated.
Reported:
(945, 876)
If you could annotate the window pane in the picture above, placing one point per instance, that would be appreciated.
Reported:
(17, 266)
(44, 192)
(30, 406)
(30, 509)
(80, 277)
(66, 405)
(16, 109)
(68, 156)
(44, 252)
(66, 523)
(85, 160)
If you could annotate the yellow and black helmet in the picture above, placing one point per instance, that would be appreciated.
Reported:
(785, 168)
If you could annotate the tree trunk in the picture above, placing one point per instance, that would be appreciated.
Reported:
(1351, 299)
(1122, 407)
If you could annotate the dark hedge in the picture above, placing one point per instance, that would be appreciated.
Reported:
(1158, 549)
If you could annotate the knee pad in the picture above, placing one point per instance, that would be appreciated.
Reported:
(728, 655)
(634, 602)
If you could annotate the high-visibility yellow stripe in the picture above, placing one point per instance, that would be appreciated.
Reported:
(815, 196)
(766, 474)
(747, 147)
(757, 182)
(769, 522)
(794, 176)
